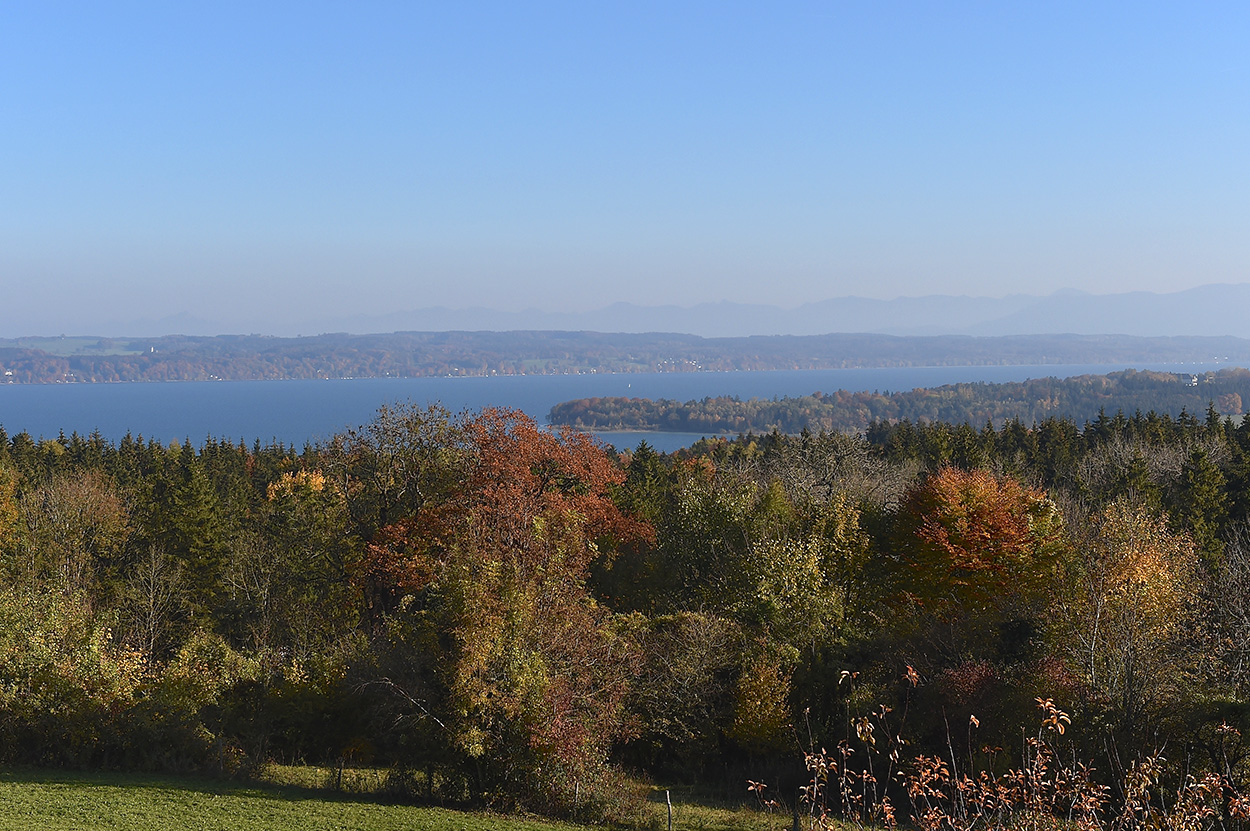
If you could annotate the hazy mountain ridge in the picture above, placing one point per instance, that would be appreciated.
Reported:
(1216, 309)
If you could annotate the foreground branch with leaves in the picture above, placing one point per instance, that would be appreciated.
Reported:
(1042, 794)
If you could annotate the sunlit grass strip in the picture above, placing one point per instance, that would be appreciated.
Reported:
(52, 800)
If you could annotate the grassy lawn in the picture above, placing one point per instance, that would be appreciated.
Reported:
(54, 800)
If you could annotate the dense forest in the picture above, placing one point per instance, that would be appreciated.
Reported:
(1079, 398)
(530, 620)
(416, 354)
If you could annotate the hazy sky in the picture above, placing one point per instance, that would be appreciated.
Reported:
(252, 162)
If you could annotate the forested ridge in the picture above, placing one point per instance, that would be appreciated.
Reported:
(419, 354)
(533, 621)
(1080, 398)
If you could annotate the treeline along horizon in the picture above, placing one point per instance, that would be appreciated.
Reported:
(425, 354)
(1079, 398)
(524, 617)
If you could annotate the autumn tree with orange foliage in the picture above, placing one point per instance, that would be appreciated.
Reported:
(974, 542)
(540, 678)
(977, 541)
(521, 472)
(531, 694)
(977, 556)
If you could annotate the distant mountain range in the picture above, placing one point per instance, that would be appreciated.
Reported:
(1220, 309)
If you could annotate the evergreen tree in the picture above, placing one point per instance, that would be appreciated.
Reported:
(1199, 506)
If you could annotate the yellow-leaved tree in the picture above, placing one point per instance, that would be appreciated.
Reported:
(1130, 613)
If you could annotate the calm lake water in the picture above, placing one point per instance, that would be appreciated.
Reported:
(296, 412)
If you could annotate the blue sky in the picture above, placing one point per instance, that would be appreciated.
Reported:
(268, 165)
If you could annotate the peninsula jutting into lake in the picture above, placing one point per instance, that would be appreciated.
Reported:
(1080, 399)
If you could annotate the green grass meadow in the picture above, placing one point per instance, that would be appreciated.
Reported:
(55, 800)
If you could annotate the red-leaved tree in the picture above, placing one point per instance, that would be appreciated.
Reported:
(536, 678)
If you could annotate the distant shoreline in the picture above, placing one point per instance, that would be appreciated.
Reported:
(543, 354)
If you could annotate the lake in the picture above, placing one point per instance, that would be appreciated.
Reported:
(299, 412)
